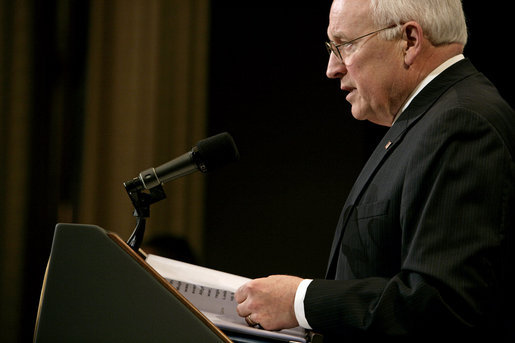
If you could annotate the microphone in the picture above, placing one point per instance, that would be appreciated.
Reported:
(208, 155)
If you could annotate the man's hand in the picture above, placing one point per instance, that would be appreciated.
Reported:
(269, 301)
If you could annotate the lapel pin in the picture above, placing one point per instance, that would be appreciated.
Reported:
(388, 144)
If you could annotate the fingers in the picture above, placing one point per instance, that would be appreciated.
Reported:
(241, 297)
(268, 301)
(241, 293)
(250, 302)
(250, 321)
(242, 310)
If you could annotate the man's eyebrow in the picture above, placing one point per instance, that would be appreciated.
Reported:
(339, 36)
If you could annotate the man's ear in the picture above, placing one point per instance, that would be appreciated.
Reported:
(413, 36)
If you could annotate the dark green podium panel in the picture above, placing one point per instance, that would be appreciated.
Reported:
(98, 290)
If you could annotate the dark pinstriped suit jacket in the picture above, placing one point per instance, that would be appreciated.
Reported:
(423, 242)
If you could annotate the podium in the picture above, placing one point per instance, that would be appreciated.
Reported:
(97, 289)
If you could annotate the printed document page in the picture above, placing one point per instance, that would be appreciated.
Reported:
(212, 292)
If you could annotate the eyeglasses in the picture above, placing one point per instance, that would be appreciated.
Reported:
(348, 47)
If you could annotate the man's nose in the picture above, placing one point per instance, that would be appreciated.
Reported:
(335, 68)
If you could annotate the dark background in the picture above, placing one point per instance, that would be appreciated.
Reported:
(276, 209)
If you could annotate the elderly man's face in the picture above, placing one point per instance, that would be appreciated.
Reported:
(372, 68)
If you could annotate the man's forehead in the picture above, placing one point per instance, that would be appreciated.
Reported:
(348, 17)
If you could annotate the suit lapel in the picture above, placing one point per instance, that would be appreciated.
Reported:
(387, 144)
(419, 106)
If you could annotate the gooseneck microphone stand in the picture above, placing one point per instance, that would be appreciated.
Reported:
(141, 199)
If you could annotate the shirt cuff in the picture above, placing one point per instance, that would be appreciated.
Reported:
(298, 305)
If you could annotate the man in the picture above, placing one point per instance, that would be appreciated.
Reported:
(423, 245)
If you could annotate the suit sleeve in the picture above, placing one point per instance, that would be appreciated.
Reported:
(456, 205)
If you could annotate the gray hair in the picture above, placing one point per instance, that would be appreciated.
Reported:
(443, 21)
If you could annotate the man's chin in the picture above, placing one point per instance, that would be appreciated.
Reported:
(356, 113)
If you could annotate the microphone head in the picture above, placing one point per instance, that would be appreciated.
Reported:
(215, 151)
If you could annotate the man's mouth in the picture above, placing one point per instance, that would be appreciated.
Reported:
(350, 90)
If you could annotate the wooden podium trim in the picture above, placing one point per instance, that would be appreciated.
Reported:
(168, 286)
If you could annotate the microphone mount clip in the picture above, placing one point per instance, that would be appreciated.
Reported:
(141, 199)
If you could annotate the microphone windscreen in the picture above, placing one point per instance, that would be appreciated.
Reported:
(216, 151)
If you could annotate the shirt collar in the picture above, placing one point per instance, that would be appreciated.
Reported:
(428, 79)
